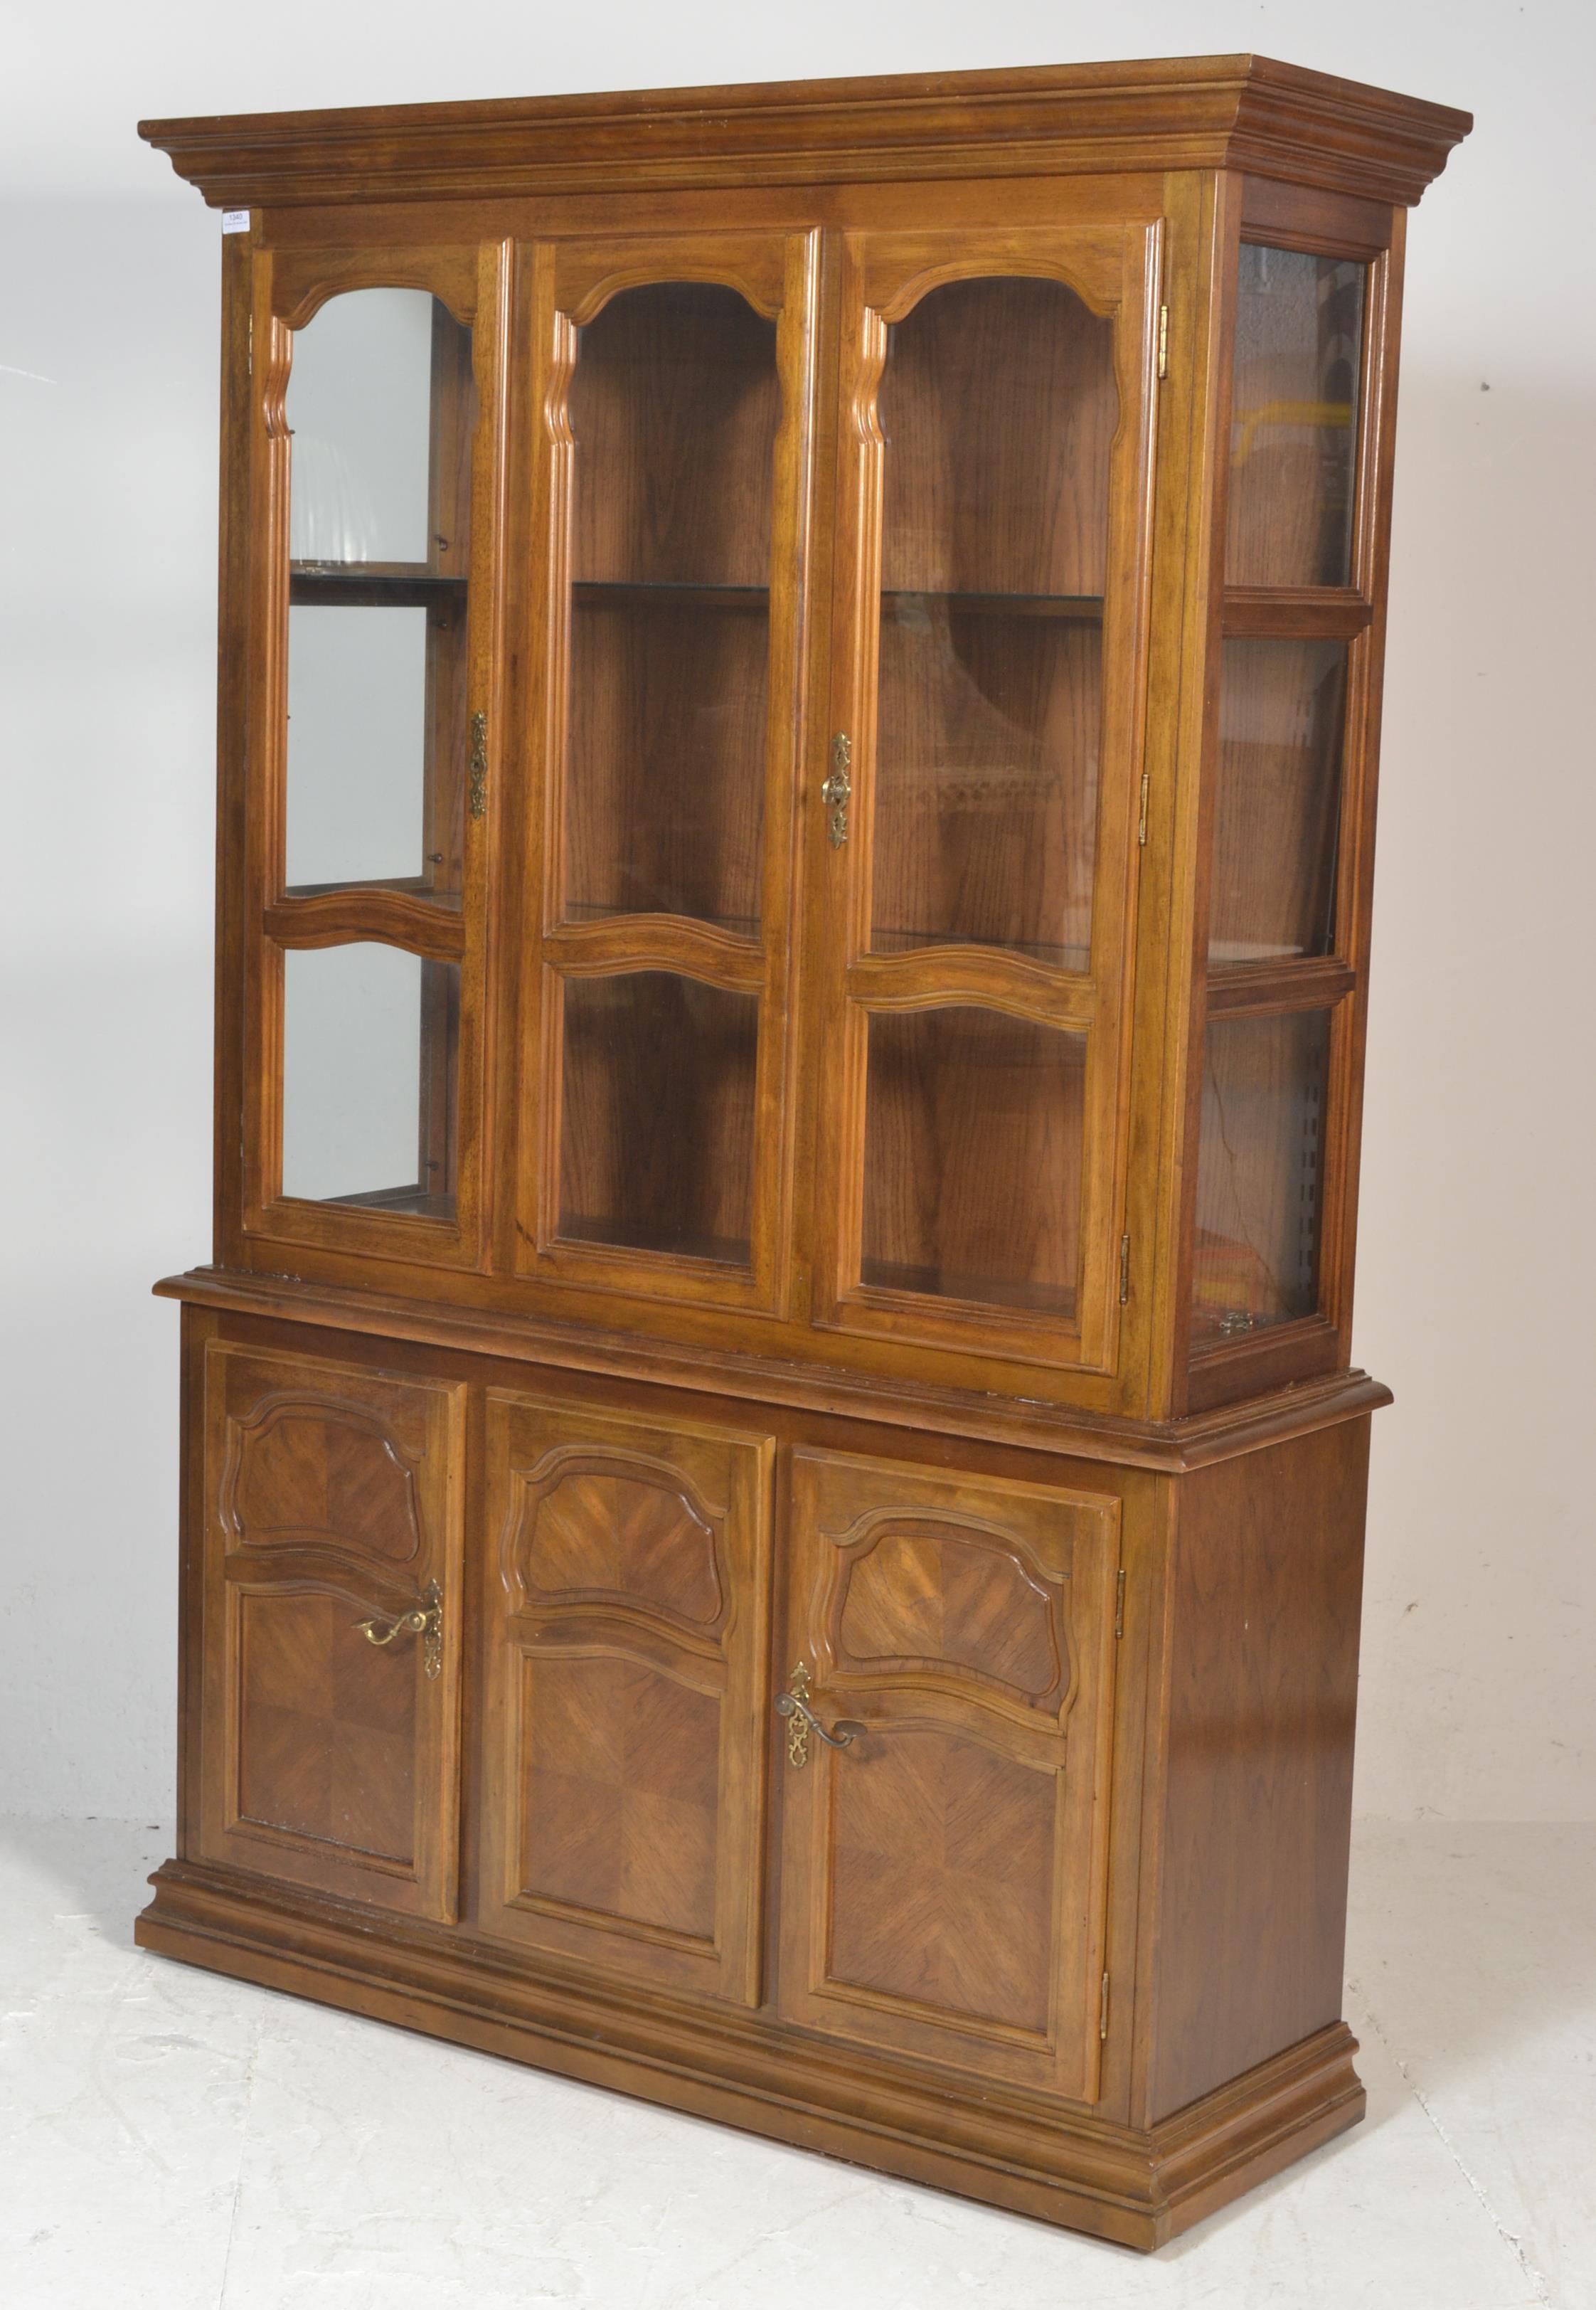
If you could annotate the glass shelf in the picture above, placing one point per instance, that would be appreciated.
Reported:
(351, 584)
(1087, 608)
(691, 592)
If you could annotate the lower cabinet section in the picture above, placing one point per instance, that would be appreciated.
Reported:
(985, 1826)
(331, 1549)
(945, 1848)
(626, 1609)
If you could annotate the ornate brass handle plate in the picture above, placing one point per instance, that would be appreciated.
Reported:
(801, 1721)
(477, 797)
(424, 1620)
(838, 789)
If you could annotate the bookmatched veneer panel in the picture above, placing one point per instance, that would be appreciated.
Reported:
(625, 1594)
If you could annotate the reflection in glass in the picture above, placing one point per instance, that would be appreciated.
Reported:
(1294, 419)
(357, 721)
(657, 1114)
(381, 408)
(1277, 803)
(359, 410)
(973, 1158)
(673, 407)
(369, 1048)
(998, 407)
(1258, 1175)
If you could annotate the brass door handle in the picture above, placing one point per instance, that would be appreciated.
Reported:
(801, 1721)
(424, 1620)
(837, 791)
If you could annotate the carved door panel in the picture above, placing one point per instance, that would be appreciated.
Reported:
(329, 1735)
(944, 1869)
(627, 1614)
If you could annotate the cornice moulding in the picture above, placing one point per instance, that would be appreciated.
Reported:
(1246, 113)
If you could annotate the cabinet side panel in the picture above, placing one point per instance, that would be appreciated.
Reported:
(1268, 1577)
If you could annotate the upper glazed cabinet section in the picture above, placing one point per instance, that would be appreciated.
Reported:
(720, 646)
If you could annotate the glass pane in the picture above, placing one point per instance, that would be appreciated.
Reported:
(357, 716)
(657, 1115)
(998, 407)
(973, 1158)
(1294, 419)
(1277, 807)
(673, 407)
(381, 408)
(1259, 1174)
(370, 1045)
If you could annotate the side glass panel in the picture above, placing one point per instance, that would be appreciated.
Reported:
(998, 408)
(973, 1143)
(381, 407)
(1277, 807)
(1294, 413)
(369, 1075)
(657, 1114)
(1259, 1178)
(673, 407)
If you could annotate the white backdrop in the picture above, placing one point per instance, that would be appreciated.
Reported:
(1476, 1253)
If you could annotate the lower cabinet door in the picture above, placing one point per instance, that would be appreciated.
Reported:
(944, 1870)
(329, 1713)
(626, 1612)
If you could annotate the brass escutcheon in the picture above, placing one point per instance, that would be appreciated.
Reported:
(837, 791)
(477, 794)
(424, 1620)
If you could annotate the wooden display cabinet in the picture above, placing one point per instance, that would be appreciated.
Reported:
(775, 1488)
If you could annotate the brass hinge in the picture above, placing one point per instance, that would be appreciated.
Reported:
(1163, 341)
(1124, 1269)
(1103, 2010)
(1141, 819)
(1119, 1604)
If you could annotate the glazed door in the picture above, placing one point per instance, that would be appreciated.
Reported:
(945, 1750)
(626, 1612)
(375, 451)
(1290, 824)
(977, 827)
(670, 452)
(329, 1742)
